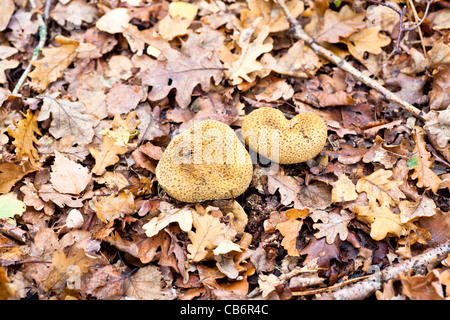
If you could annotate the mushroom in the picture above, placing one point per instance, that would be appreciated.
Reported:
(268, 132)
(205, 162)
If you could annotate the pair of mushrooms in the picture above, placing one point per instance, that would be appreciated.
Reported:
(209, 162)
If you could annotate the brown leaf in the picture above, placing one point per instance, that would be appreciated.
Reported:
(114, 207)
(107, 283)
(411, 211)
(332, 224)
(290, 229)
(343, 190)
(47, 193)
(420, 287)
(440, 89)
(67, 176)
(182, 71)
(421, 164)
(8, 8)
(68, 118)
(379, 189)
(122, 98)
(341, 24)
(108, 155)
(25, 137)
(55, 60)
(287, 186)
(322, 251)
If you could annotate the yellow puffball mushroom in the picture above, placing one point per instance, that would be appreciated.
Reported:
(268, 132)
(205, 162)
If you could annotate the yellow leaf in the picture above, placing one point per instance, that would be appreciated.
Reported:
(366, 40)
(108, 155)
(25, 138)
(183, 10)
(289, 229)
(343, 190)
(421, 165)
(382, 220)
(55, 61)
(379, 188)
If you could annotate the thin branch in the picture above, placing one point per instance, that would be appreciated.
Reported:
(401, 28)
(299, 33)
(42, 38)
(367, 287)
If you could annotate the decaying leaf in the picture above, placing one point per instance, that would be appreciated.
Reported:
(67, 176)
(108, 155)
(51, 67)
(168, 215)
(10, 206)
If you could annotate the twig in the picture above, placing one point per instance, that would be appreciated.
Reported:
(12, 231)
(299, 33)
(367, 287)
(401, 28)
(331, 288)
(42, 38)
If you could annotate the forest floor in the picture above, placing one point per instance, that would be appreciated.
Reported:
(93, 92)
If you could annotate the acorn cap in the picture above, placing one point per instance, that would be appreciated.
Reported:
(268, 132)
(205, 162)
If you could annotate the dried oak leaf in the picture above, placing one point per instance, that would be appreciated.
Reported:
(25, 136)
(250, 50)
(419, 287)
(114, 207)
(209, 232)
(146, 284)
(271, 13)
(290, 229)
(421, 164)
(74, 13)
(55, 60)
(379, 189)
(123, 98)
(322, 251)
(366, 40)
(340, 24)
(67, 271)
(182, 71)
(287, 186)
(343, 190)
(383, 222)
(107, 283)
(440, 89)
(68, 118)
(437, 126)
(108, 155)
(47, 193)
(168, 215)
(69, 177)
(411, 211)
(332, 224)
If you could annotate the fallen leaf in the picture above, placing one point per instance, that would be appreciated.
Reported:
(114, 21)
(440, 89)
(74, 13)
(168, 215)
(68, 118)
(25, 137)
(122, 98)
(145, 284)
(47, 193)
(10, 206)
(366, 40)
(380, 190)
(421, 164)
(290, 229)
(420, 287)
(341, 24)
(107, 283)
(113, 207)
(343, 190)
(321, 251)
(108, 155)
(287, 186)
(250, 50)
(50, 68)
(383, 222)
(333, 224)
(67, 176)
(411, 211)
(8, 8)
(182, 71)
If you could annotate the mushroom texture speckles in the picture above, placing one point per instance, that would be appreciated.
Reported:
(205, 162)
(268, 132)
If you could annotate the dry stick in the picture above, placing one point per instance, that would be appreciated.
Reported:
(367, 287)
(42, 38)
(299, 33)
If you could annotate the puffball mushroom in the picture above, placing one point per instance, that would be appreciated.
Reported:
(205, 162)
(268, 132)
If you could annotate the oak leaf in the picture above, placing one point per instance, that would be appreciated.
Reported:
(168, 215)
(287, 186)
(290, 229)
(112, 207)
(68, 118)
(108, 155)
(69, 177)
(209, 232)
(332, 224)
(182, 71)
(321, 251)
(25, 137)
(67, 271)
(383, 222)
(341, 24)
(421, 164)
(55, 61)
(114, 21)
(343, 190)
(366, 40)
(11, 173)
(250, 50)
(379, 189)
(411, 211)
